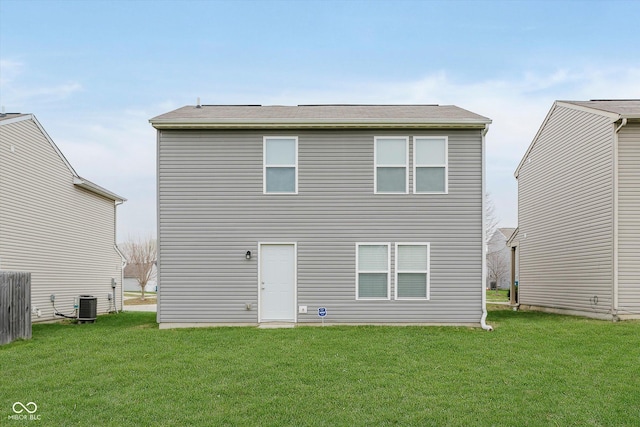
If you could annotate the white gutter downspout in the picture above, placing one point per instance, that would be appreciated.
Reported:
(123, 259)
(483, 319)
(158, 235)
(615, 219)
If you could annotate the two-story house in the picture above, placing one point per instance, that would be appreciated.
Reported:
(578, 236)
(268, 213)
(55, 224)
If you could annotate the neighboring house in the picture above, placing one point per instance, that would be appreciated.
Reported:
(579, 211)
(131, 279)
(267, 214)
(55, 224)
(499, 259)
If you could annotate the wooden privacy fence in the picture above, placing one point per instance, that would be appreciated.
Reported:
(15, 306)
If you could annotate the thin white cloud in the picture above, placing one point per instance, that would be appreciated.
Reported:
(108, 147)
(25, 98)
(19, 95)
(9, 70)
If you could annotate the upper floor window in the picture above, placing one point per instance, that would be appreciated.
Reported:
(280, 174)
(391, 162)
(430, 164)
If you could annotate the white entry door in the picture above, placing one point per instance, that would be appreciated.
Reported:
(277, 282)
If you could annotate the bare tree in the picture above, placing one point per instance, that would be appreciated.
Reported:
(498, 267)
(141, 254)
(491, 219)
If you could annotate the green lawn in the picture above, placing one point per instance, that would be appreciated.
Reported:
(533, 369)
(499, 295)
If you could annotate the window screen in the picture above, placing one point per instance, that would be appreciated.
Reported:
(373, 271)
(430, 164)
(391, 156)
(412, 271)
(280, 165)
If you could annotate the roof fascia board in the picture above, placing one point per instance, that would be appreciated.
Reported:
(46, 136)
(514, 237)
(16, 119)
(119, 252)
(535, 138)
(90, 186)
(176, 124)
(55, 147)
(612, 116)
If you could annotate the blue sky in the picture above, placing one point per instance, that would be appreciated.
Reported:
(94, 72)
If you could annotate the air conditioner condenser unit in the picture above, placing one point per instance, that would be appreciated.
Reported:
(87, 308)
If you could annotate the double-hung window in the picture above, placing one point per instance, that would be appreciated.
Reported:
(372, 265)
(391, 163)
(412, 271)
(280, 160)
(430, 164)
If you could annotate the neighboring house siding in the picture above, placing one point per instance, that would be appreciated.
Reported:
(565, 214)
(629, 219)
(212, 210)
(61, 234)
(132, 285)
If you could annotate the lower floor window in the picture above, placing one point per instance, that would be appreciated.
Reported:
(374, 273)
(412, 270)
(372, 263)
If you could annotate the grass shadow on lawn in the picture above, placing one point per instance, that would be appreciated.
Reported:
(533, 369)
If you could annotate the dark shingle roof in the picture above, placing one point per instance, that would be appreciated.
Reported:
(340, 115)
(629, 108)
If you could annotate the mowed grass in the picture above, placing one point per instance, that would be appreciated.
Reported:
(499, 295)
(534, 369)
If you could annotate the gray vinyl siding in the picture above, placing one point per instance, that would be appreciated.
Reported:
(565, 208)
(212, 210)
(61, 234)
(629, 219)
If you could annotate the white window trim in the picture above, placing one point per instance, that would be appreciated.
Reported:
(388, 272)
(375, 164)
(433, 165)
(264, 165)
(427, 271)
